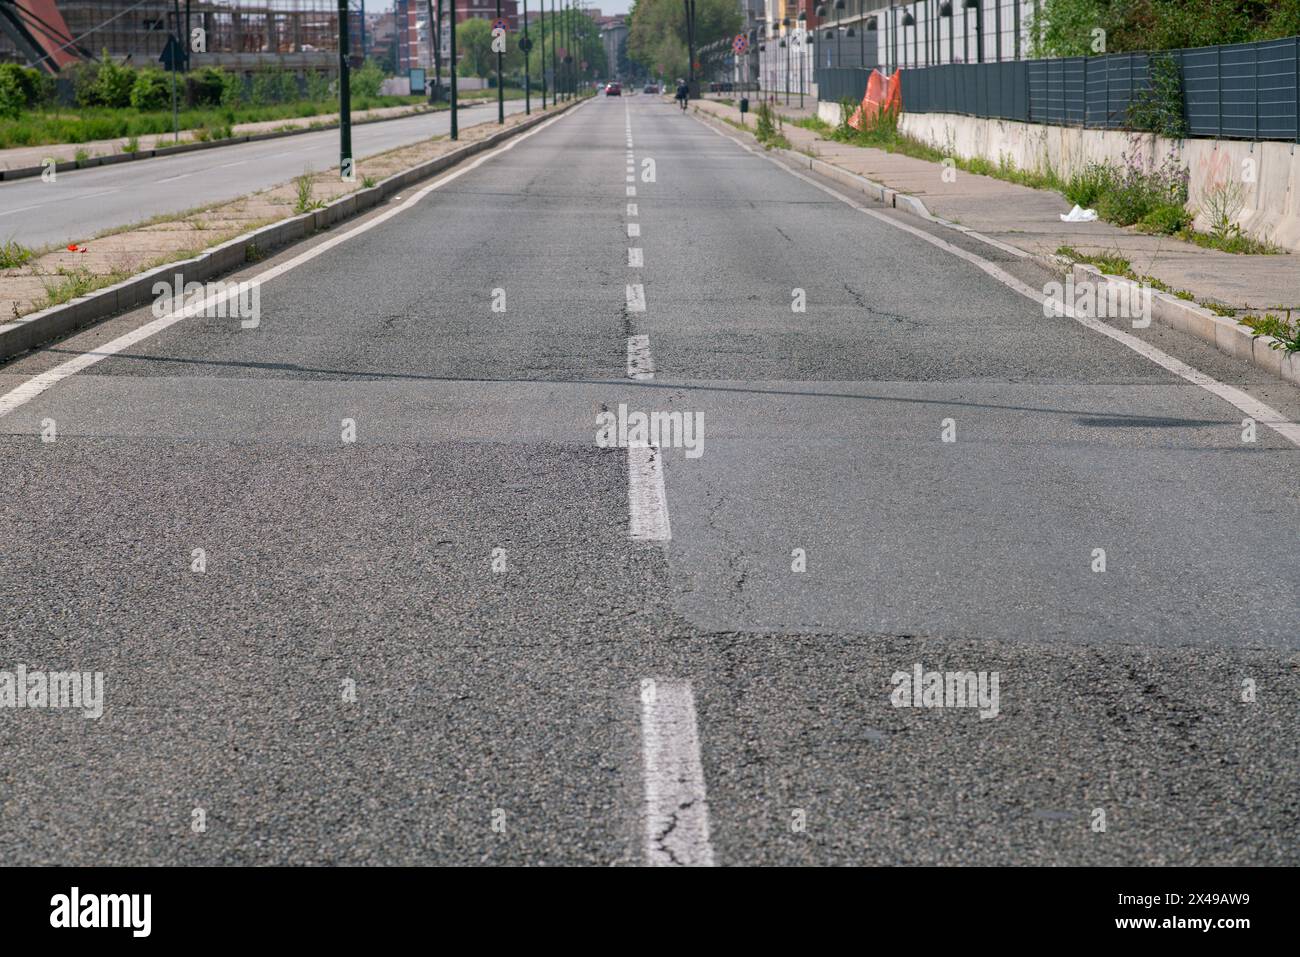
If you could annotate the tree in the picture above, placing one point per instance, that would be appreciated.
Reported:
(657, 35)
(474, 44)
(1073, 27)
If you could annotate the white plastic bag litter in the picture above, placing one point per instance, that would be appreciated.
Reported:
(1078, 215)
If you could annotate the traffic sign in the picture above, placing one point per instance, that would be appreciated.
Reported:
(499, 24)
(741, 43)
(174, 55)
(525, 44)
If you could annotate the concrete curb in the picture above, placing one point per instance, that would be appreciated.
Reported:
(24, 172)
(57, 321)
(1224, 333)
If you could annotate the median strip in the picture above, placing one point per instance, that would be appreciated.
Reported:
(117, 271)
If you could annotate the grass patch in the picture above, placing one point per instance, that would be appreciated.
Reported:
(814, 123)
(82, 125)
(13, 254)
(1110, 263)
(68, 284)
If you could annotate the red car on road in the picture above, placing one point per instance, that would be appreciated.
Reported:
(613, 89)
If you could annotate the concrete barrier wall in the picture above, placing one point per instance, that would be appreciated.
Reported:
(1268, 173)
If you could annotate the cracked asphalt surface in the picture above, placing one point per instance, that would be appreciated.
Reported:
(511, 696)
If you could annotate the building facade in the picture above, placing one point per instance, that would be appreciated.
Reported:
(293, 35)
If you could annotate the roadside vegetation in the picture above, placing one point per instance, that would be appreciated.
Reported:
(1285, 332)
(1067, 27)
(1149, 195)
(110, 101)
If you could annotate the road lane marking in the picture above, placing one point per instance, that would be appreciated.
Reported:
(640, 364)
(632, 210)
(631, 190)
(635, 258)
(647, 501)
(37, 384)
(635, 297)
(63, 199)
(1244, 402)
(633, 230)
(676, 805)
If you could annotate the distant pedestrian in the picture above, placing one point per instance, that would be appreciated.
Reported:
(683, 93)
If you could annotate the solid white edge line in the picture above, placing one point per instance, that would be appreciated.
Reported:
(676, 803)
(1244, 402)
(40, 383)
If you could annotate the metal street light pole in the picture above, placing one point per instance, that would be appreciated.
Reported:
(541, 59)
(451, 69)
(528, 102)
(501, 93)
(345, 93)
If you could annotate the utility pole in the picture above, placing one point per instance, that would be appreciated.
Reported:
(690, 47)
(555, 67)
(435, 41)
(501, 92)
(541, 59)
(451, 70)
(179, 51)
(526, 44)
(345, 94)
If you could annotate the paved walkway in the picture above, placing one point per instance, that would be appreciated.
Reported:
(1030, 220)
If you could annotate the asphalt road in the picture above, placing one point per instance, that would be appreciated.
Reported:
(83, 203)
(646, 678)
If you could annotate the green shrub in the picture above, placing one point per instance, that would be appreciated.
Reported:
(1158, 108)
(22, 88)
(111, 85)
(204, 86)
(234, 91)
(1086, 188)
(366, 81)
(1166, 218)
(12, 100)
(318, 86)
(151, 91)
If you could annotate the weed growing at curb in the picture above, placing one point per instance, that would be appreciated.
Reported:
(304, 185)
(13, 254)
(1285, 334)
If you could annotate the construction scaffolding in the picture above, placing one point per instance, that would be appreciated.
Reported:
(294, 35)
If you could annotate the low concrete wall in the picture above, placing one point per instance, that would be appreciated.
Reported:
(829, 112)
(1267, 173)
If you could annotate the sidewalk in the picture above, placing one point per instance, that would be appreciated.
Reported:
(1030, 220)
(20, 157)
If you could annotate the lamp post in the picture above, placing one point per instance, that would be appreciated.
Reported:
(839, 5)
(527, 44)
(798, 38)
(345, 93)
(541, 58)
(451, 71)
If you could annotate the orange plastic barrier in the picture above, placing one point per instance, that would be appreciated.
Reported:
(883, 93)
